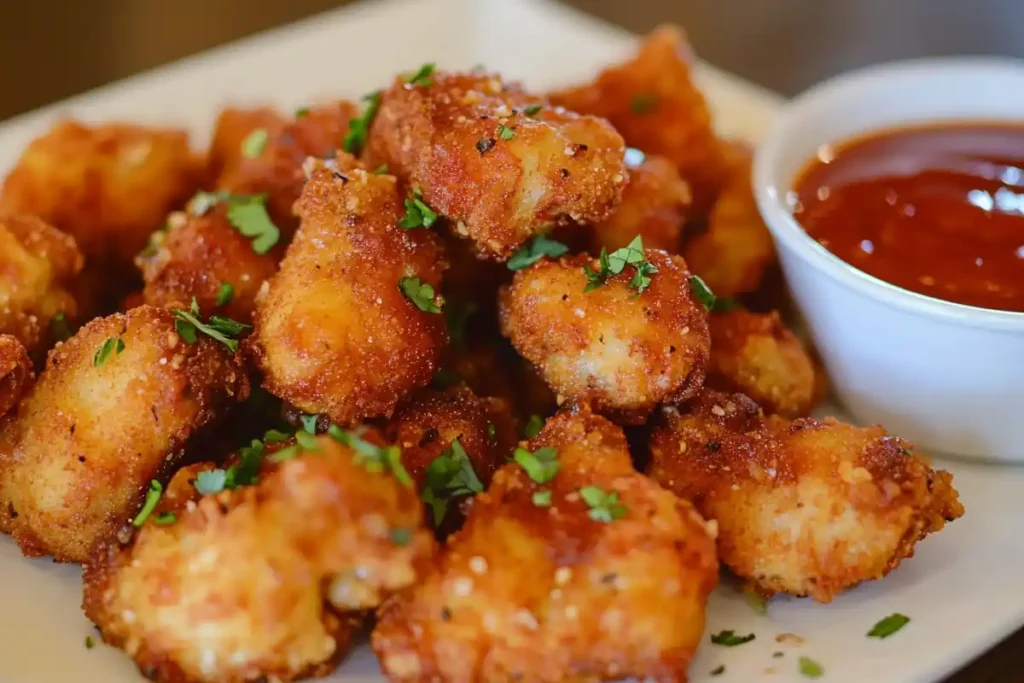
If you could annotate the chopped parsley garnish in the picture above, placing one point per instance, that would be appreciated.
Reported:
(381, 170)
(456, 317)
(309, 422)
(156, 489)
(254, 143)
(616, 262)
(225, 294)
(202, 202)
(533, 109)
(359, 128)
(506, 133)
(906, 451)
(421, 294)
(534, 250)
(304, 441)
(224, 330)
(113, 345)
(165, 518)
(417, 213)
(888, 626)
(449, 475)
(757, 602)
(210, 482)
(730, 639)
(703, 293)
(534, 424)
(810, 668)
(422, 76)
(541, 465)
(246, 471)
(59, 327)
(642, 103)
(542, 499)
(252, 220)
(89, 643)
(401, 537)
(725, 304)
(307, 440)
(302, 112)
(371, 456)
(276, 436)
(604, 507)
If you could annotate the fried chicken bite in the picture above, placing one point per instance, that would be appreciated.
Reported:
(754, 354)
(112, 411)
(263, 582)
(654, 205)
(108, 186)
(206, 258)
(501, 164)
(15, 372)
(571, 567)
(653, 101)
(735, 251)
(352, 322)
(258, 151)
(624, 350)
(805, 507)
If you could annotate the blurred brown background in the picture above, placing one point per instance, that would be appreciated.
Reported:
(50, 49)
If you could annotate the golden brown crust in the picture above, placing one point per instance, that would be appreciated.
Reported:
(807, 507)
(108, 186)
(653, 101)
(277, 169)
(499, 174)
(196, 256)
(735, 251)
(37, 264)
(754, 354)
(265, 581)
(528, 593)
(78, 454)
(334, 333)
(625, 353)
(15, 372)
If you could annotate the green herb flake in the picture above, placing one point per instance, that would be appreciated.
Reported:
(371, 456)
(156, 489)
(449, 475)
(703, 293)
(542, 499)
(492, 431)
(906, 451)
(757, 602)
(302, 112)
(643, 103)
(541, 466)
(113, 345)
(309, 422)
(401, 537)
(89, 643)
(417, 213)
(730, 639)
(604, 507)
(615, 263)
(725, 304)
(224, 294)
(254, 143)
(534, 250)
(202, 202)
(381, 170)
(456, 317)
(534, 424)
(251, 219)
(422, 76)
(888, 626)
(210, 481)
(421, 294)
(276, 436)
(506, 133)
(165, 518)
(60, 329)
(247, 470)
(307, 441)
(224, 330)
(359, 128)
(810, 668)
(533, 109)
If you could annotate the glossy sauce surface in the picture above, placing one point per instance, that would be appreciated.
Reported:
(937, 210)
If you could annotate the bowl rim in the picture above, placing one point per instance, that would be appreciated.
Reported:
(770, 191)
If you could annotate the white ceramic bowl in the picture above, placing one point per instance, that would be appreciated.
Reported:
(946, 376)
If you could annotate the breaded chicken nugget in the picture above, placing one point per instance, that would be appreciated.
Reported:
(15, 373)
(624, 350)
(653, 101)
(735, 251)
(570, 567)
(807, 507)
(206, 258)
(654, 205)
(108, 186)
(754, 354)
(258, 151)
(452, 442)
(352, 323)
(501, 164)
(258, 582)
(111, 412)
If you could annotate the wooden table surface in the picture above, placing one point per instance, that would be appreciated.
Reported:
(49, 50)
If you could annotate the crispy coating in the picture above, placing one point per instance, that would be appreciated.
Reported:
(654, 206)
(277, 167)
(501, 175)
(37, 265)
(334, 332)
(808, 507)
(754, 354)
(78, 454)
(15, 372)
(262, 582)
(625, 353)
(108, 186)
(196, 256)
(530, 593)
(735, 251)
(653, 101)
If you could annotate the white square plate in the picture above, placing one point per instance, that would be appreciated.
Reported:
(963, 590)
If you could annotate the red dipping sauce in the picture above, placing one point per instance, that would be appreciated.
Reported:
(937, 210)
